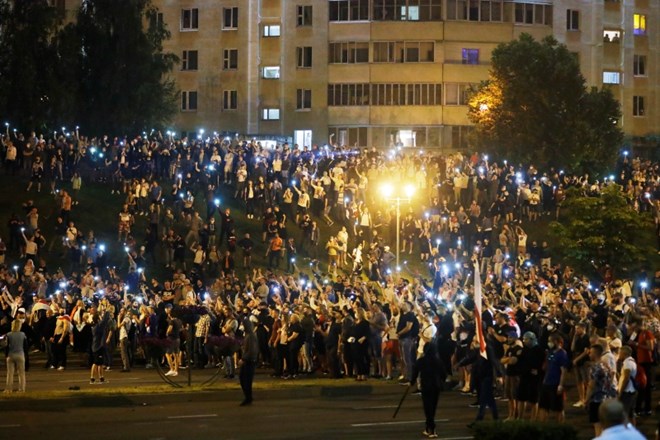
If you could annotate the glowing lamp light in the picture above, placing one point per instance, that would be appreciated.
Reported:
(644, 284)
(386, 189)
(409, 190)
(126, 248)
(140, 269)
(217, 202)
(102, 247)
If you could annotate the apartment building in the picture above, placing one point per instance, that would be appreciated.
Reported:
(387, 72)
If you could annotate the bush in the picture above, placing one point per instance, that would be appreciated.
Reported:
(521, 430)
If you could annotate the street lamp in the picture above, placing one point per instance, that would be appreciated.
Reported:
(404, 194)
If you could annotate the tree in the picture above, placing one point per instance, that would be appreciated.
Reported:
(535, 108)
(122, 67)
(28, 92)
(600, 230)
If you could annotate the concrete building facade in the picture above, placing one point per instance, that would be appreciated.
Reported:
(387, 72)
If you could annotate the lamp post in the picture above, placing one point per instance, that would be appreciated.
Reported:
(397, 197)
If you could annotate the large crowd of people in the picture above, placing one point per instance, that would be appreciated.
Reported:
(337, 305)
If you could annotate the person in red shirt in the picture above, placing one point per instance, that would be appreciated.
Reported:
(643, 342)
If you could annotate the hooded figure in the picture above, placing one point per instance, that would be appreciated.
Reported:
(249, 356)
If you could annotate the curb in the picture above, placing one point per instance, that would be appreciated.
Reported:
(147, 399)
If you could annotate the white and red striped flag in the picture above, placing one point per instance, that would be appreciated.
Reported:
(477, 312)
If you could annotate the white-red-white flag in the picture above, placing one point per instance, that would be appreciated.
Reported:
(477, 312)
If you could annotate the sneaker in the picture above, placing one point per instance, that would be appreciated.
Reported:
(92, 381)
(174, 373)
(474, 405)
(401, 377)
(419, 392)
(433, 435)
(60, 369)
(578, 404)
(169, 373)
(102, 380)
(425, 433)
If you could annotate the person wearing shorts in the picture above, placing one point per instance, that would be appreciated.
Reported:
(174, 342)
(552, 389)
(530, 364)
(99, 334)
(510, 361)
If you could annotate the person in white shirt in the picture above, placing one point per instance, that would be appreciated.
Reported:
(613, 420)
(626, 390)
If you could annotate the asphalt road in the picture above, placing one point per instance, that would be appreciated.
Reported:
(290, 413)
(345, 418)
(283, 416)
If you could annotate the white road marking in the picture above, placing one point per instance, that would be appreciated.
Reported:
(364, 425)
(193, 416)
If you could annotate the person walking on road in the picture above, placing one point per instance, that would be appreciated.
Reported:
(249, 357)
(17, 346)
(432, 375)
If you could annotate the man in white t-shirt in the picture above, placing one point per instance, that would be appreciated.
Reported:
(427, 331)
(626, 391)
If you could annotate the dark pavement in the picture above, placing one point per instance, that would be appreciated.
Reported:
(342, 409)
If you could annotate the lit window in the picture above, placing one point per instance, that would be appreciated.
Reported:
(270, 114)
(611, 78)
(271, 72)
(470, 56)
(639, 24)
(410, 13)
(611, 36)
(272, 30)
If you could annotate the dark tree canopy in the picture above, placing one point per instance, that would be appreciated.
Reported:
(29, 94)
(599, 231)
(106, 71)
(535, 108)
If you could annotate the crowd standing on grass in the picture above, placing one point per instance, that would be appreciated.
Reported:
(330, 298)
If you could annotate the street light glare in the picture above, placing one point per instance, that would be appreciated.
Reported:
(409, 190)
(386, 189)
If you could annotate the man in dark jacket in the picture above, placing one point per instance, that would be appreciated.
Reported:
(249, 356)
(432, 374)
